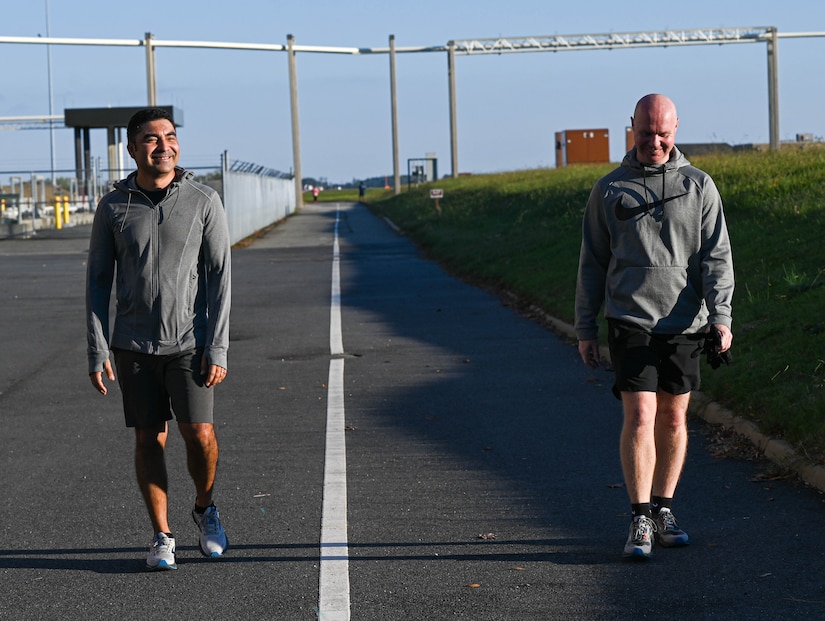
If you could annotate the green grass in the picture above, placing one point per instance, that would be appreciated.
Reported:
(347, 195)
(521, 232)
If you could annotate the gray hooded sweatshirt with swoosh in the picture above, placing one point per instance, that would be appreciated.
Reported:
(655, 250)
(172, 267)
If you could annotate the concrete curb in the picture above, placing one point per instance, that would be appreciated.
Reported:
(778, 451)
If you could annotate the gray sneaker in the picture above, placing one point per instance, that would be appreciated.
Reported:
(668, 533)
(162, 553)
(212, 538)
(640, 540)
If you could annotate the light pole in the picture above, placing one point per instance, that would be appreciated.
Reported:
(51, 97)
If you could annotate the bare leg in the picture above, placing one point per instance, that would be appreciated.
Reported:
(671, 442)
(638, 444)
(201, 458)
(150, 467)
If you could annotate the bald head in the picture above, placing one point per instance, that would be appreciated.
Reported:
(654, 123)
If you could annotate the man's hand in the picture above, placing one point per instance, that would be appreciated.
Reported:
(212, 372)
(589, 351)
(727, 337)
(97, 378)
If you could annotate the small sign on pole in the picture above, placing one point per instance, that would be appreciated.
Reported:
(437, 194)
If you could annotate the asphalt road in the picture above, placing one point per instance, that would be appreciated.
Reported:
(482, 472)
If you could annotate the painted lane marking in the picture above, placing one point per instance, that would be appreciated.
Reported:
(333, 588)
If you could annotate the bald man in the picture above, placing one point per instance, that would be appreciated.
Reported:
(656, 256)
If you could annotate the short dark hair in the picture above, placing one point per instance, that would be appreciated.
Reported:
(141, 117)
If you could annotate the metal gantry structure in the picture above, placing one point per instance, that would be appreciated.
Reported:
(464, 47)
(628, 40)
(610, 41)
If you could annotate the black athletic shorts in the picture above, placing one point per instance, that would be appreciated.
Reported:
(646, 362)
(156, 387)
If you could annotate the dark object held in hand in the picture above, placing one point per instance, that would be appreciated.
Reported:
(713, 341)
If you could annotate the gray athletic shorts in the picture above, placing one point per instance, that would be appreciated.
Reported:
(157, 387)
(646, 362)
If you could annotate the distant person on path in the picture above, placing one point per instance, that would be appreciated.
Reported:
(167, 236)
(655, 253)
(362, 191)
(315, 192)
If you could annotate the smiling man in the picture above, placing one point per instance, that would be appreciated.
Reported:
(654, 126)
(655, 254)
(155, 149)
(166, 236)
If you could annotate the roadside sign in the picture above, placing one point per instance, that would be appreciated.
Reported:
(437, 194)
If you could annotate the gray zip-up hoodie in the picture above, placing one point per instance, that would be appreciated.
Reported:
(655, 250)
(173, 272)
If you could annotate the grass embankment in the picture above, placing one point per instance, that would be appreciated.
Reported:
(521, 231)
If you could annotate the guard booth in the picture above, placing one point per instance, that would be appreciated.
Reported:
(114, 121)
(582, 146)
(422, 169)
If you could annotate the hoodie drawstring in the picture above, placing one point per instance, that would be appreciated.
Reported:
(661, 200)
(128, 204)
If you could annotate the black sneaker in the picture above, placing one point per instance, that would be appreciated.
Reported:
(668, 533)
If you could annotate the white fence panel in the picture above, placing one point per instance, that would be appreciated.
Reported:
(255, 199)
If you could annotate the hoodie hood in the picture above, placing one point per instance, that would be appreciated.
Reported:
(129, 184)
(677, 160)
(655, 199)
(129, 187)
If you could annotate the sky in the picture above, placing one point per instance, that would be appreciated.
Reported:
(509, 106)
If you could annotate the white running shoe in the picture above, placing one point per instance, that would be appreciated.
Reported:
(212, 538)
(640, 539)
(162, 553)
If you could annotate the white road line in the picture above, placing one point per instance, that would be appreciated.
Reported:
(333, 587)
(336, 341)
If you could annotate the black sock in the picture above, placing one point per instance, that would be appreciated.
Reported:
(659, 502)
(641, 508)
(201, 510)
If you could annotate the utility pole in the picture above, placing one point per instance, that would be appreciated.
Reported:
(453, 120)
(296, 134)
(394, 112)
(151, 79)
(773, 88)
(51, 100)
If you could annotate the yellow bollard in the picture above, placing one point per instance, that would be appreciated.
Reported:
(58, 213)
(66, 209)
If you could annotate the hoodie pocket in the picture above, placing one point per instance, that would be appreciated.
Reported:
(191, 292)
(661, 296)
